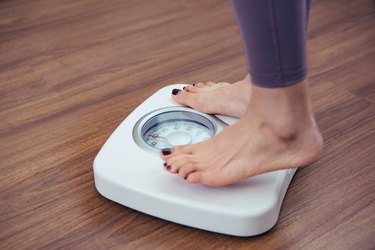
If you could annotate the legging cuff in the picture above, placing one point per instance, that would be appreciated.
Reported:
(277, 81)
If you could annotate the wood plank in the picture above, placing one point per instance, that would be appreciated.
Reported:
(71, 71)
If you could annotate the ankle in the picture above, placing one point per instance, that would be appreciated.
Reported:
(285, 111)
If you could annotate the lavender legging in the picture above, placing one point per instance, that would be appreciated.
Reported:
(274, 36)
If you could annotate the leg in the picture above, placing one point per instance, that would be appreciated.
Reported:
(274, 34)
(278, 129)
(213, 98)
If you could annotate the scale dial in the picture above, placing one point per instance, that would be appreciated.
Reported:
(173, 126)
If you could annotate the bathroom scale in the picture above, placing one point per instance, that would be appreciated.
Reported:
(129, 171)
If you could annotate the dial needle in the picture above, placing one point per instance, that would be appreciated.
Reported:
(156, 136)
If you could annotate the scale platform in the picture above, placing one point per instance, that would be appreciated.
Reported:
(129, 171)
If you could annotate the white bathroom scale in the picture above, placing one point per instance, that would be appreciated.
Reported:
(129, 171)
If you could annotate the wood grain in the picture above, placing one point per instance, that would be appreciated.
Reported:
(71, 71)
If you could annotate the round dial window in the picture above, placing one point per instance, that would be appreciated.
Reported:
(171, 127)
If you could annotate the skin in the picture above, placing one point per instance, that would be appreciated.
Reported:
(276, 130)
(213, 98)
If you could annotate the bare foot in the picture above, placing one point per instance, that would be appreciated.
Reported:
(277, 131)
(217, 98)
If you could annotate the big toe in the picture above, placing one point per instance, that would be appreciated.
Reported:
(184, 97)
(167, 153)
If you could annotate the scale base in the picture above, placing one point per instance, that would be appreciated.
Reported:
(135, 178)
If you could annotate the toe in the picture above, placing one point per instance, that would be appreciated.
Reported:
(168, 153)
(194, 89)
(184, 98)
(194, 177)
(193, 100)
(183, 150)
(186, 169)
(165, 153)
(180, 164)
(199, 85)
(173, 169)
(170, 167)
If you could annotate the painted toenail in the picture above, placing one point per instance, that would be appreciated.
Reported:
(166, 151)
(186, 177)
(169, 167)
(175, 91)
(184, 88)
(165, 164)
(194, 84)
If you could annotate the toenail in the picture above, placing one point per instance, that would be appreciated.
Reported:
(186, 177)
(169, 167)
(175, 91)
(184, 88)
(194, 84)
(165, 164)
(166, 151)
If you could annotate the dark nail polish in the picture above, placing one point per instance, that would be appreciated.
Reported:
(175, 91)
(185, 177)
(165, 164)
(184, 88)
(166, 151)
(194, 84)
(169, 167)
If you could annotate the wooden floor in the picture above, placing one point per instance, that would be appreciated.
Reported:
(71, 71)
